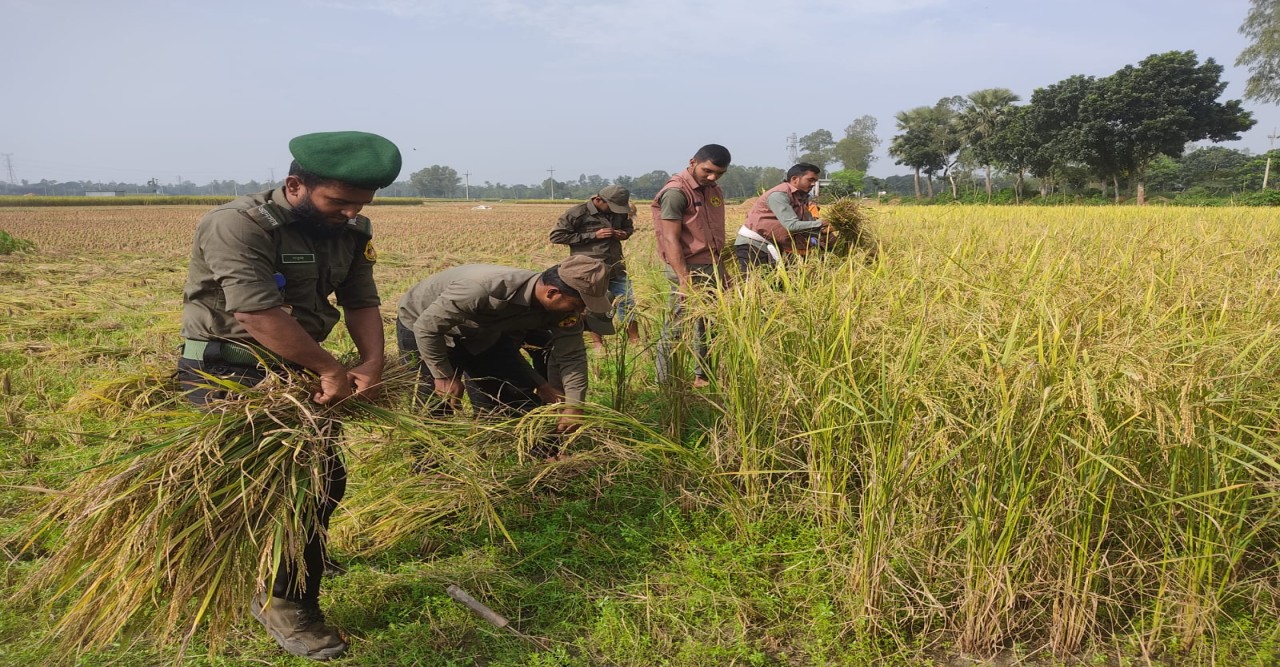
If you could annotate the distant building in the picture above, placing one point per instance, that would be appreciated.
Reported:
(105, 193)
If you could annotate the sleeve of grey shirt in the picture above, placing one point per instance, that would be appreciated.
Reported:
(780, 204)
(454, 305)
(570, 353)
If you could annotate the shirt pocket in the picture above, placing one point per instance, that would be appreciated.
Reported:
(300, 283)
(338, 270)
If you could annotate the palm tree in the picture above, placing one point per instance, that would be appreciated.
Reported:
(984, 115)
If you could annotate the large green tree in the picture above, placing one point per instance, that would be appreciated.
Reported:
(1015, 147)
(435, 181)
(1262, 56)
(1156, 108)
(1053, 128)
(816, 148)
(769, 177)
(740, 181)
(647, 185)
(855, 150)
(948, 135)
(1214, 170)
(917, 146)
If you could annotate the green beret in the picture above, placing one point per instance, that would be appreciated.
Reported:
(356, 158)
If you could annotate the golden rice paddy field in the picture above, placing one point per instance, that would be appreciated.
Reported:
(1042, 434)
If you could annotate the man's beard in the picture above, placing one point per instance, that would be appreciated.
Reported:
(308, 218)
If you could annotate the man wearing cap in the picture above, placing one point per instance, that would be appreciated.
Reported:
(780, 222)
(688, 218)
(261, 273)
(597, 228)
(465, 325)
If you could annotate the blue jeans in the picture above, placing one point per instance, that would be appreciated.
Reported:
(623, 298)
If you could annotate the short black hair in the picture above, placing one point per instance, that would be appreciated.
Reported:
(551, 278)
(802, 168)
(713, 153)
(310, 179)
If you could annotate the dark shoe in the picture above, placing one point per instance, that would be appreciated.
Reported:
(298, 628)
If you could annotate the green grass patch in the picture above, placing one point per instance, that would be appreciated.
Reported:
(10, 245)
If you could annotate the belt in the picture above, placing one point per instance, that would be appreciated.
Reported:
(770, 246)
(226, 352)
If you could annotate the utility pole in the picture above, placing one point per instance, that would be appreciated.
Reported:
(552, 171)
(273, 177)
(466, 188)
(1266, 173)
(793, 148)
(8, 162)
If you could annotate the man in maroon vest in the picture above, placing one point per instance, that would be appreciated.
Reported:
(688, 217)
(780, 221)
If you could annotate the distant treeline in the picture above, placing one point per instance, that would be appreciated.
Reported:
(162, 200)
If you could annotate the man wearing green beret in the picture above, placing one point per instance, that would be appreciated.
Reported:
(262, 270)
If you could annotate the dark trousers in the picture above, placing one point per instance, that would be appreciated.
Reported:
(288, 584)
(497, 380)
(749, 257)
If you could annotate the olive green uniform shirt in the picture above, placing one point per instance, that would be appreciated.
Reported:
(474, 305)
(577, 229)
(241, 246)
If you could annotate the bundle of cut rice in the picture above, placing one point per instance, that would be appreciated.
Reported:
(848, 221)
(182, 527)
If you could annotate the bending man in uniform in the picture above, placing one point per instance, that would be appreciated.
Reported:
(780, 222)
(466, 324)
(688, 217)
(597, 228)
(262, 270)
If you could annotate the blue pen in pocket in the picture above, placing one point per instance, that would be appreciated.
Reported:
(280, 283)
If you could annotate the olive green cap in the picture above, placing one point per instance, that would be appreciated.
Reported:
(590, 278)
(356, 158)
(617, 197)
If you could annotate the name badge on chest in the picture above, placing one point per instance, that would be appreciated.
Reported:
(298, 258)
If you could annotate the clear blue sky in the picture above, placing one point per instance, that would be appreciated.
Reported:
(134, 89)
